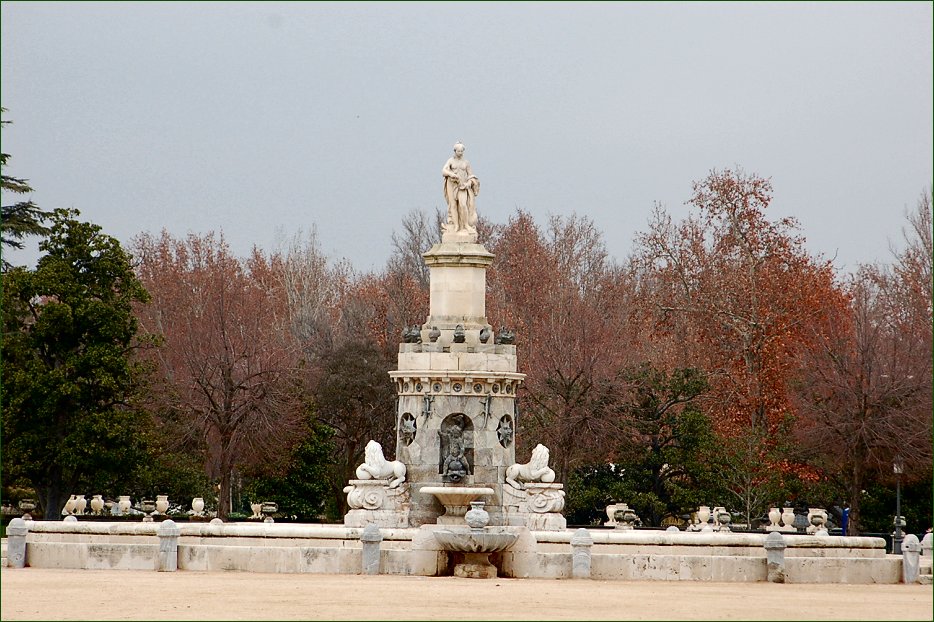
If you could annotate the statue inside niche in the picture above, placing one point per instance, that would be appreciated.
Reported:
(456, 448)
(408, 428)
(455, 463)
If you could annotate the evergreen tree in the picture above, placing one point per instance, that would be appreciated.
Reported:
(68, 378)
(19, 219)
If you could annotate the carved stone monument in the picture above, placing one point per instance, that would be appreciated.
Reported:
(456, 382)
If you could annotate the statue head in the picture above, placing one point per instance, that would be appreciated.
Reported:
(373, 454)
(458, 149)
(540, 457)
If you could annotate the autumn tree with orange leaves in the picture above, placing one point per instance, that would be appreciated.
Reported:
(737, 294)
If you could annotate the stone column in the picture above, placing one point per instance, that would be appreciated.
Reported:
(927, 543)
(775, 557)
(911, 558)
(581, 543)
(371, 538)
(16, 542)
(168, 546)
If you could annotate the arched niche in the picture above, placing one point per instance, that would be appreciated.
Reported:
(455, 458)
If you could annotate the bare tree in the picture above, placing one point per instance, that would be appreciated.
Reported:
(419, 232)
(314, 288)
(228, 362)
(866, 394)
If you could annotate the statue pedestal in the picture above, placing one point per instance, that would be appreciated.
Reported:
(538, 506)
(458, 290)
(373, 501)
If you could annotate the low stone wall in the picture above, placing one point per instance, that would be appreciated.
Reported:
(334, 549)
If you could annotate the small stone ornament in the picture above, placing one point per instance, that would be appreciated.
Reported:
(484, 334)
(268, 509)
(412, 334)
(505, 336)
(460, 336)
(476, 517)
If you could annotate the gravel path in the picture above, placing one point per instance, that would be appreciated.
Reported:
(47, 594)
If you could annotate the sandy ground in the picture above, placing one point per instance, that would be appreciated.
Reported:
(46, 594)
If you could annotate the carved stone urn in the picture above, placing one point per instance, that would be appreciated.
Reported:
(625, 517)
(774, 517)
(703, 514)
(123, 504)
(27, 506)
(476, 517)
(197, 506)
(269, 508)
(97, 504)
(162, 504)
(724, 518)
(80, 504)
(148, 506)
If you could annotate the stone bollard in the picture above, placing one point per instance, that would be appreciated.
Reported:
(71, 518)
(672, 529)
(927, 543)
(168, 546)
(581, 543)
(16, 543)
(775, 557)
(911, 558)
(371, 537)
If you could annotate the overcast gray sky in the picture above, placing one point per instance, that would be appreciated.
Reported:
(257, 118)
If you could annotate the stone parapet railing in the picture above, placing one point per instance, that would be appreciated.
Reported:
(224, 530)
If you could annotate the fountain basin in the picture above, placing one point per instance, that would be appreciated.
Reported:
(487, 540)
(476, 546)
(456, 500)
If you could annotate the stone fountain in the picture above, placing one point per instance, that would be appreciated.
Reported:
(456, 501)
(456, 381)
(476, 543)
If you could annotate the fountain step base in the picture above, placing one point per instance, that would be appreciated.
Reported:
(475, 571)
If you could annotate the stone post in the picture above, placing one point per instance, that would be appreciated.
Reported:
(775, 557)
(371, 537)
(911, 558)
(581, 543)
(16, 542)
(927, 543)
(168, 546)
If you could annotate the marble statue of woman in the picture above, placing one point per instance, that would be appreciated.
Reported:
(461, 188)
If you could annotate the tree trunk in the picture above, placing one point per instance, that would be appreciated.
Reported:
(53, 495)
(853, 526)
(223, 495)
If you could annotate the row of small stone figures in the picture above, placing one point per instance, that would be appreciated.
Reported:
(413, 334)
(718, 519)
(78, 504)
(621, 516)
(784, 520)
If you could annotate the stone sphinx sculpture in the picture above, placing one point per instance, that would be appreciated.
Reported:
(375, 466)
(535, 470)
